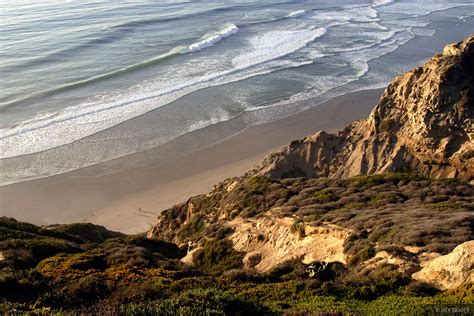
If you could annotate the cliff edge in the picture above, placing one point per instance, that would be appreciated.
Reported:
(423, 124)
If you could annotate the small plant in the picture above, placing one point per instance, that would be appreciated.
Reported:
(218, 256)
(298, 228)
(258, 185)
(325, 196)
(195, 225)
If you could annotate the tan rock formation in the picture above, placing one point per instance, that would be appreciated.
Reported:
(272, 238)
(423, 124)
(190, 258)
(452, 270)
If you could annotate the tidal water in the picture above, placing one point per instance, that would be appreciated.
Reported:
(70, 70)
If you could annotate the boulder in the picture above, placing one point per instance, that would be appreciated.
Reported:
(451, 270)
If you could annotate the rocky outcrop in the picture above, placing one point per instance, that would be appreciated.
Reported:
(422, 124)
(269, 240)
(452, 270)
(293, 206)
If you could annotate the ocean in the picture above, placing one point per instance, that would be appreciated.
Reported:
(82, 82)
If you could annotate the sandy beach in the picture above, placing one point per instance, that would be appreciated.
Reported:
(127, 194)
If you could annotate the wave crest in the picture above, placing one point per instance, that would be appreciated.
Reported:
(211, 38)
(296, 14)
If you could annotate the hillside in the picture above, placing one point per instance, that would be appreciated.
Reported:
(378, 218)
(362, 222)
(421, 125)
(46, 270)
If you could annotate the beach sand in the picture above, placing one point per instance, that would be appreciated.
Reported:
(127, 194)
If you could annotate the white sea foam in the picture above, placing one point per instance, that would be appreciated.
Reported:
(423, 32)
(379, 3)
(422, 7)
(276, 44)
(212, 38)
(54, 129)
(79, 121)
(296, 14)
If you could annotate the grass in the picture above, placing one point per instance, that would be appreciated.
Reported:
(86, 269)
(298, 228)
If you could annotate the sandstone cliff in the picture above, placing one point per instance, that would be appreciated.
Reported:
(373, 195)
(422, 124)
(451, 270)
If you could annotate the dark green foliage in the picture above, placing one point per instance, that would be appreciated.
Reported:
(218, 256)
(222, 232)
(416, 288)
(87, 232)
(289, 269)
(194, 226)
(298, 228)
(85, 290)
(382, 280)
(21, 284)
(76, 269)
(258, 185)
(325, 196)
(359, 247)
(209, 302)
(24, 253)
(86, 261)
(166, 249)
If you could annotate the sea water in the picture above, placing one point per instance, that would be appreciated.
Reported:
(72, 72)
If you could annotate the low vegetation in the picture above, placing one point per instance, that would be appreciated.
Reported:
(86, 269)
(382, 210)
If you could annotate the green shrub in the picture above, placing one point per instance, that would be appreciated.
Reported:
(298, 228)
(325, 196)
(289, 269)
(258, 185)
(218, 256)
(88, 232)
(443, 206)
(417, 288)
(194, 226)
(87, 289)
(209, 302)
(26, 253)
(21, 284)
(86, 261)
(366, 182)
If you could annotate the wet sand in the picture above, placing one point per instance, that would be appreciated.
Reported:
(126, 194)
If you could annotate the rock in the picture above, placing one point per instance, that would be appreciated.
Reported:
(251, 259)
(190, 258)
(422, 124)
(322, 243)
(450, 271)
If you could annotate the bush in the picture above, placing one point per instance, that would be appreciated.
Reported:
(88, 232)
(289, 269)
(416, 288)
(218, 256)
(87, 289)
(298, 228)
(194, 226)
(325, 196)
(258, 184)
(22, 284)
(209, 302)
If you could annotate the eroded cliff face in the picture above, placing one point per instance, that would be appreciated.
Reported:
(422, 124)
(319, 200)
(451, 270)
(269, 240)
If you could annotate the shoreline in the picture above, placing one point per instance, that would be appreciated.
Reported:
(126, 194)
